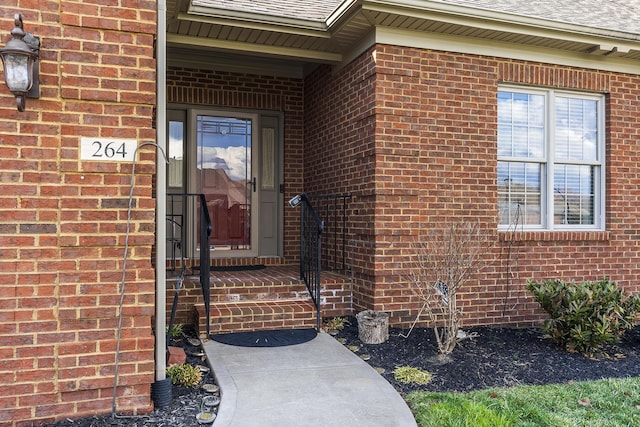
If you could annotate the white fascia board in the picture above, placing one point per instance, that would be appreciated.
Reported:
(254, 25)
(341, 11)
(264, 50)
(308, 27)
(248, 17)
(495, 20)
(473, 46)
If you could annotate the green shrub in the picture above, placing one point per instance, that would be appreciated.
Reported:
(185, 375)
(585, 317)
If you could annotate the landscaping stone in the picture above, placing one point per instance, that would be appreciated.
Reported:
(177, 356)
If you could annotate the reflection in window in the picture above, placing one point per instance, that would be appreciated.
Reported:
(519, 192)
(549, 159)
(175, 152)
(224, 177)
(574, 196)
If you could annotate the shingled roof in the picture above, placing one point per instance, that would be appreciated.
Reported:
(614, 15)
(604, 34)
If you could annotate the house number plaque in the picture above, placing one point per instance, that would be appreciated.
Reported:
(106, 149)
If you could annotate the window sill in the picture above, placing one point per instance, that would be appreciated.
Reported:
(554, 236)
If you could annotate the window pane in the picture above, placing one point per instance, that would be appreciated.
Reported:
(574, 194)
(549, 161)
(576, 129)
(504, 141)
(176, 159)
(520, 125)
(519, 193)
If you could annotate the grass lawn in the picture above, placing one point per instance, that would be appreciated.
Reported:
(604, 403)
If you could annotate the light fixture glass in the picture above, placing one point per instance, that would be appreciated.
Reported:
(17, 70)
(19, 58)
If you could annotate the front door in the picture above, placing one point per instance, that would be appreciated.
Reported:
(225, 174)
(233, 158)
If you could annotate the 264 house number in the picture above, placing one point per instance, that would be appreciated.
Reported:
(111, 150)
(108, 149)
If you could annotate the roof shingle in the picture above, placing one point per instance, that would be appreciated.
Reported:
(614, 15)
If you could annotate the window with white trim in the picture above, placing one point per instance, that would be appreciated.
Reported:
(550, 159)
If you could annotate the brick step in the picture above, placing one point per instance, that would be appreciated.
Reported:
(272, 283)
(263, 291)
(269, 298)
(256, 315)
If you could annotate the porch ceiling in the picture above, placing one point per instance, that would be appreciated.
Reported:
(290, 36)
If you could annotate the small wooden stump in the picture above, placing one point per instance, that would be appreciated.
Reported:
(373, 326)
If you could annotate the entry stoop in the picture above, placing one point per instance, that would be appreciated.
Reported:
(256, 315)
(270, 298)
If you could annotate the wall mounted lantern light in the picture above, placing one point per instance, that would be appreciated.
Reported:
(20, 61)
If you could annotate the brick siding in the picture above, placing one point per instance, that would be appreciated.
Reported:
(412, 134)
(340, 158)
(63, 220)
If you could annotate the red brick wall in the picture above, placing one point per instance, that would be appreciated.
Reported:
(340, 158)
(435, 115)
(63, 220)
(412, 134)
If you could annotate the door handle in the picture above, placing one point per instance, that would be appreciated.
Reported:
(254, 184)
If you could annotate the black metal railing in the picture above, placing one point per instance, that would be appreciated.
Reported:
(333, 208)
(188, 217)
(311, 227)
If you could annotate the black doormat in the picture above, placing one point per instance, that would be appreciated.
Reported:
(237, 267)
(276, 338)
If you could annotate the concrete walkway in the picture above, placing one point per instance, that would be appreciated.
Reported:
(316, 384)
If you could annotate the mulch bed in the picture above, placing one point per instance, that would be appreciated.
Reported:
(495, 357)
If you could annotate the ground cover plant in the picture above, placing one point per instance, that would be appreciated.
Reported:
(409, 374)
(185, 375)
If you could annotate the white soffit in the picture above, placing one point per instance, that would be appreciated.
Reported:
(253, 48)
(184, 56)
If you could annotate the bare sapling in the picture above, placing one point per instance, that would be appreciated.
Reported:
(444, 260)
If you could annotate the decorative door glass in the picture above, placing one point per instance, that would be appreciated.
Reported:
(224, 176)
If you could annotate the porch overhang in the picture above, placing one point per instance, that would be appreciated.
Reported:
(282, 52)
(334, 32)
